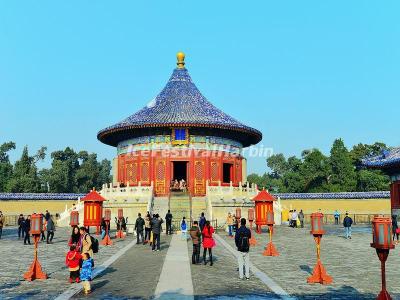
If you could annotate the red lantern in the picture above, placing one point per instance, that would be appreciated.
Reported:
(107, 215)
(251, 215)
(36, 224)
(382, 233)
(238, 213)
(74, 218)
(382, 242)
(270, 217)
(92, 210)
(317, 224)
(120, 213)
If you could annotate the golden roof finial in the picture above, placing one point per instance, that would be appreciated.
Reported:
(181, 60)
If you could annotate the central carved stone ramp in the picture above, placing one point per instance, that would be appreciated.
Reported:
(179, 204)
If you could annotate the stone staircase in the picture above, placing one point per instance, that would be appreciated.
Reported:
(160, 206)
(199, 205)
(179, 204)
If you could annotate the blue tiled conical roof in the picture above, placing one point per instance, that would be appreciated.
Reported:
(180, 103)
(387, 159)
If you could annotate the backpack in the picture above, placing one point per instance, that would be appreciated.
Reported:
(183, 226)
(244, 243)
(95, 244)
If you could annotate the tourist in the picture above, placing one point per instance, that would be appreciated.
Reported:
(103, 226)
(50, 230)
(230, 221)
(86, 242)
(86, 272)
(395, 228)
(20, 224)
(147, 228)
(44, 228)
(294, 219)
(75, 238)
(168, 221)
(301, 218)
(347, 221)
(47, 215)
(290, 218)
(336, 215)
(123, 224)
(184, 229)
(2, 221)
(242, 241)
(235, 223)
(202, 222)
(72, 261)
(195, 235)
(208, 242)
(156, 222)
(27, 229)
(139, 227)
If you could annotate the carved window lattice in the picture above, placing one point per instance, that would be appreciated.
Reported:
(145, 172)
(214, 171)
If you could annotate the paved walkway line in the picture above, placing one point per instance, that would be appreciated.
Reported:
(272, 285)
(176, 278)
(76, 288)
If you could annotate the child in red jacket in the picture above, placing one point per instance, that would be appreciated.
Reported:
(72, 260)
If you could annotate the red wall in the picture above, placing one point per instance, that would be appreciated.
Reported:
(156, 166)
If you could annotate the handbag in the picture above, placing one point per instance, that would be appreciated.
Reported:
(398, 230)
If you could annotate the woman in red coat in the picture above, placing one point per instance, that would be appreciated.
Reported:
(208, 242)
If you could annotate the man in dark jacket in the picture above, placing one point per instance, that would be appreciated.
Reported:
(347, 221)
(139, 227)
(27, 228)
(156, 225)
(50, 230)
(242, 241)
(21, 221)
(202, 222)
(195, 235)
(168, 220)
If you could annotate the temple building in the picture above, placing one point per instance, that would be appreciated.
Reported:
(389, 162)
(179, 145)
(179, 136)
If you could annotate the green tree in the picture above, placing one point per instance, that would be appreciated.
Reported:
(372, 180)
(343, 177)
(315, 171)
(6, 168)
(278, 164)
(25, 175)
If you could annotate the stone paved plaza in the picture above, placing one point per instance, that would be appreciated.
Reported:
(353, 264)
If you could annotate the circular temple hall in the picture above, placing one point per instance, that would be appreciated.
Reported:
(179, 141)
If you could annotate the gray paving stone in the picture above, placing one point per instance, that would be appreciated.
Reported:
(16, 259)
(353, 264)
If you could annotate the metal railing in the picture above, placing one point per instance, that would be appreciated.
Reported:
(357, 218)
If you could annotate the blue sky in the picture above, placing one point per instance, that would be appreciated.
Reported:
(302, 72)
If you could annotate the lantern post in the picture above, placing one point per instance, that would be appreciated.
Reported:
(382, 242)
(253, 240)
(35, 270)
(238, 216)
(270, 249)
(92, 210)
(74, 218)
(120, 233)
(319, 274)
(107, 218)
